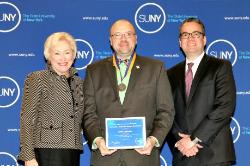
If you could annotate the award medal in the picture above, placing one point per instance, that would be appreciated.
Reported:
(122, 86)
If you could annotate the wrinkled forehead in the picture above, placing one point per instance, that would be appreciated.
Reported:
(122, 26)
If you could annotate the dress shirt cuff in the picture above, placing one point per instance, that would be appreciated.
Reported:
(157, 144)
(94, 146)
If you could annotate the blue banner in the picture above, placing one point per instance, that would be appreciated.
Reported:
(25, 25)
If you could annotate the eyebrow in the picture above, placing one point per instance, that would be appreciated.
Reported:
(61, 50)
(125, 32)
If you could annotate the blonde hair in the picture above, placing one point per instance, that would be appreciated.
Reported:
(54, 38)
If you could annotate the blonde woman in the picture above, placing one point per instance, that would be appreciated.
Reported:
(52, 108)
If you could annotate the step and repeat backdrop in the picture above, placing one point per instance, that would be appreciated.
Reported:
(24, 26)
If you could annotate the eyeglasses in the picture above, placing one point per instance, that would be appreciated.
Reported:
(195, 34)
(119, 35)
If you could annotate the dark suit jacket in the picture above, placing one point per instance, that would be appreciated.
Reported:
(148, 95)
(51, 114)
(207, 112)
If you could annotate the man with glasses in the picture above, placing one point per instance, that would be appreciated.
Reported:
(127, 85)
(204, 94)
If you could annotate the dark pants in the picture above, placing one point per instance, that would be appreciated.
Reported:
(57, 157)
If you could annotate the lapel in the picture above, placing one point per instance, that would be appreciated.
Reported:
(134, 76)
(112, 75)
(199, 74)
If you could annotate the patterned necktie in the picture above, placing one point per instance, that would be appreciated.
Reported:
(123, 70)
(125, 61)
(189, 78)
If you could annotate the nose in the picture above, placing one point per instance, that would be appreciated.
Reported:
(123, 36)
(63, 56)
(191, 37)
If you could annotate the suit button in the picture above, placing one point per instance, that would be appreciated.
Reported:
(72, 116)
(70, 130)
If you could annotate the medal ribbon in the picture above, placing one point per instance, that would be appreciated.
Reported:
(129, 66)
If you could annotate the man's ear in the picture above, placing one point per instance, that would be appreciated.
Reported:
(179, 42)
(205, 40)
(110, 41)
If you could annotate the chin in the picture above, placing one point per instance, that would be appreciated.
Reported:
(64, 70)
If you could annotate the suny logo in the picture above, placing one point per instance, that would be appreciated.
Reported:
(223, 49)
(85, 142)
(7, 159)
(10, 17)
(9, 91)
(150, 18)
(84, 54)
(163, 161)
(235, 129)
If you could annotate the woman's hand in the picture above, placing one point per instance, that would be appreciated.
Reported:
(32, 162)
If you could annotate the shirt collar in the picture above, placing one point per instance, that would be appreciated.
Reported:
(196, 63)
(119, 57)
(126, 61)
(197, 60)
